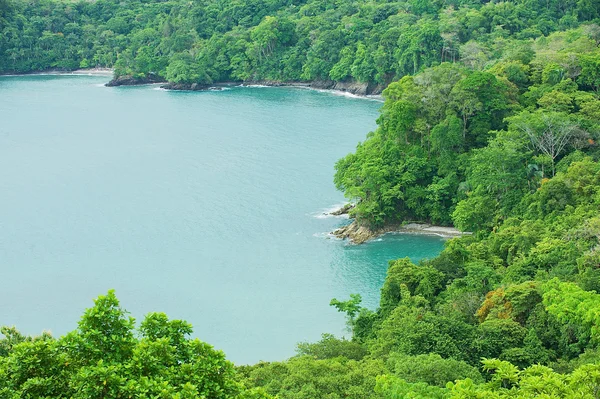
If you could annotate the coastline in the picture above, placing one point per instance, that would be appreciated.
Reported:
(354, 89)
(359, 234)
(350, 89)
(317, 86)
(94, 71)
(59, 72)
(359, 90)
(363, 90)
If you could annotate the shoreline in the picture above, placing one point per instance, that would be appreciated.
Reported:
(351, 89)
(59, 72)
(293, 85)
(357, 234)
(355, 89)
(307, 86)
(360, 234)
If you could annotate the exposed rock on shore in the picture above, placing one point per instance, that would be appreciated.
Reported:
(343, 210)
(352, 87)
(185, 86)
(359, 234)
(134, 81)
(274, 83)
(198, 86)
(360, 89)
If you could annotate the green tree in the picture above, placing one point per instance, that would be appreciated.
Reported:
(103, 358)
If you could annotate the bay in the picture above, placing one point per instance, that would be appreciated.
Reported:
(208, 206)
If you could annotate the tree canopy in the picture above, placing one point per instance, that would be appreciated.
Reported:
(490, 123)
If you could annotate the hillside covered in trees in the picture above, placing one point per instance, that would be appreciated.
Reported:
(490, 123)
(209, 41)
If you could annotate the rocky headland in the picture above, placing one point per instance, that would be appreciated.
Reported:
(351, 87)
(359, 234)
(134, 81)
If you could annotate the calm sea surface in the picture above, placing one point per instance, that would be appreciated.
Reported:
(207, 206)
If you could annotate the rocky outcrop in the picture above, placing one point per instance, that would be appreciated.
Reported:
(274, 83)
(357, 88)
(185, 86)
(343, 210)
(353, 87)
(134, 81)
(359, 234)
(198, 86)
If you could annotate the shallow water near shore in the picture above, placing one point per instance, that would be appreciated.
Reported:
(208, 206)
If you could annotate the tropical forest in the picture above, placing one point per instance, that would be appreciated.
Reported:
(490, 123)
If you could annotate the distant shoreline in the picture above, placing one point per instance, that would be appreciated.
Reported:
(293, 85)
(88, 71)
(311, 86)
(361, 90)
(350, 89)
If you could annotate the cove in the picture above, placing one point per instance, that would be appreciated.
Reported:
(207, 206)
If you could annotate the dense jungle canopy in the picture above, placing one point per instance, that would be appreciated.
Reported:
(490, 123)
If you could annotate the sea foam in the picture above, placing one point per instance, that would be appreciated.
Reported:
(326, 213)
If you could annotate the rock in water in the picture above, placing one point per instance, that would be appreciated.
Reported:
(355, 233)
(343, 210)
(134, 81)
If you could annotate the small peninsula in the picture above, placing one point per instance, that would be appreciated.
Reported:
(359, 234)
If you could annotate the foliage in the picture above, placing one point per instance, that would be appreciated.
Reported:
(364, 41)
(431, 369)
(330, 347)
(308, 378)
(490, 123)
(104, 358)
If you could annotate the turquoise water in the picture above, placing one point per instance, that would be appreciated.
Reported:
(207, 206)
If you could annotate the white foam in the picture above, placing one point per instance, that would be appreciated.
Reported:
(329, 216)
(346, 94)
(326, 213)
(339, 93)
(327, 235)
